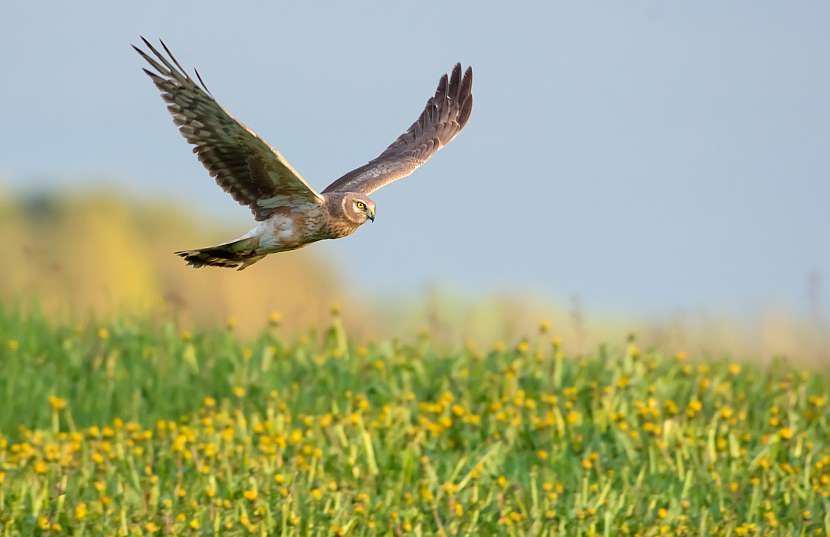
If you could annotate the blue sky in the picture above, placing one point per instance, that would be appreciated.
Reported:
(644, 156)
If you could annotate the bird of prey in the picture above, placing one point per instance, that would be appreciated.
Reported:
(289, 212)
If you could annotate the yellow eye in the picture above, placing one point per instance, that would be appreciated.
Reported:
(360, 205)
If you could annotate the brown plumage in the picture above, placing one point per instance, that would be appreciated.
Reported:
(289, 212)
(444, 115)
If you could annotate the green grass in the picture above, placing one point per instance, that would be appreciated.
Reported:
(134, 428)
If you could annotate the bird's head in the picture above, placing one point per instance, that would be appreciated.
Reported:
(358, 207)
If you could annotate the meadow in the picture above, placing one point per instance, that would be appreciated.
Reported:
(140, 427)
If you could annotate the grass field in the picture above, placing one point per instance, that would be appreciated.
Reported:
(139, 428)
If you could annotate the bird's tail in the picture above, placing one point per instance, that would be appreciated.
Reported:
(238, 254)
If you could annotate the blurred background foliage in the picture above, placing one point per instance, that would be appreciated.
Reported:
(91, 254)
(96, 253)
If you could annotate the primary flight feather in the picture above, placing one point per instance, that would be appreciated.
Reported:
(289, 212)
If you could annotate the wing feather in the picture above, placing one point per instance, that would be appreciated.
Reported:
(443, 117)
(251, 171)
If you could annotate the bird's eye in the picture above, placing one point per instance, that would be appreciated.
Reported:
(360, 205)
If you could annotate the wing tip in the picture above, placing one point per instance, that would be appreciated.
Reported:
(202, 82)
(460, 85)
(465, 91)
(468, 76)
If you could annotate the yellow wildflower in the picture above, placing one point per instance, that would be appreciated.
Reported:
(56, 403)
(81, 511)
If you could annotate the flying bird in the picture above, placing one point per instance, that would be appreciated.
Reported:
(289, 212)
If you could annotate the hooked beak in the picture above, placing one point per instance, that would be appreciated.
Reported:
(371, 214)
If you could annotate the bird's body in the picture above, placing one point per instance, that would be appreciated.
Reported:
(291, 214)
(289, 228)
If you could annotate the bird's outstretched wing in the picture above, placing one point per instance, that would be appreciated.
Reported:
(444, 116)
(243, 164)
